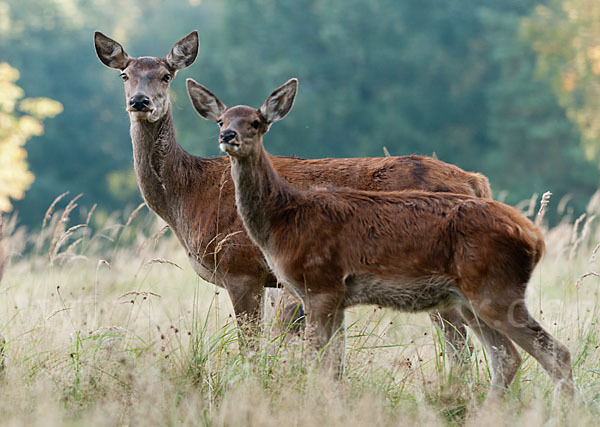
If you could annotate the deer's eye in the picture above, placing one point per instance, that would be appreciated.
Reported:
(166, 78)
(220, 122)
(255, 124)
(125, 77)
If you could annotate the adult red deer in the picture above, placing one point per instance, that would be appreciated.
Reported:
(195, 196)
(409, 250)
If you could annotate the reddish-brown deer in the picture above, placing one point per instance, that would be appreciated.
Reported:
(195, 196)
(409, 250)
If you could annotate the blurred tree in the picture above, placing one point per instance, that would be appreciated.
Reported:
(85, 149)
(20, 119)
(455, 78)
(533, 145)
(566, 36)
(407, 75)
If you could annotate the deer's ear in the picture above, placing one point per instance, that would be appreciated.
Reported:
(204, 101)
(280, 102)
(184, 52)
(110, 52)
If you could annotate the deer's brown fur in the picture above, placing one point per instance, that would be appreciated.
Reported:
(408, 250)
(195, 196)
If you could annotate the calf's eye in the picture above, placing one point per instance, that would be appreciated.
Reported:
(125, 77)
(255, 124)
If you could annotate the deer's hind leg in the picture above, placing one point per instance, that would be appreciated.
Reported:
(516, 322)
(504, 357)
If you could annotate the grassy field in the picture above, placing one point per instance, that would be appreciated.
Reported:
(112, 327)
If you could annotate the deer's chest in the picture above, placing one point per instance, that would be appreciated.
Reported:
(207, 274)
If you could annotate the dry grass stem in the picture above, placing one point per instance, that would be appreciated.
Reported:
(562, 205)
(50, 210)
(163, 261)
(90, 213)
(134, 213)
(575, 233)
(51, 315)
(531, 206)
(543, 204)
(583, 276)
(224, 240)
(594, 252)
(70, 208)
(139, 293)
(103, 262)
(158, 235)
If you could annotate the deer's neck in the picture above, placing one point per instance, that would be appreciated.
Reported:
(159, 164)
(259, 194)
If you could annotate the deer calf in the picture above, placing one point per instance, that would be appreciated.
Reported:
(408, 250)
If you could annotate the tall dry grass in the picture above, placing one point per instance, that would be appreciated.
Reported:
(108, 325)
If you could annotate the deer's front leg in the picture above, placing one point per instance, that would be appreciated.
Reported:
(325, 329)
(247, 297)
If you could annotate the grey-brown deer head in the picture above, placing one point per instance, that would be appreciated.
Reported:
(242, 127)
(147, 79)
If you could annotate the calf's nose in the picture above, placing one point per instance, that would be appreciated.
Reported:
(228, 135)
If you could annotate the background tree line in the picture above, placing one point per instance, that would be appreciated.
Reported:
(494, 86)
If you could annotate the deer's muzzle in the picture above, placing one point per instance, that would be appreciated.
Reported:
(139, 102)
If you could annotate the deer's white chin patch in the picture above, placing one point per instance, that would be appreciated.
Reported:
(140, 116)
(228, 148)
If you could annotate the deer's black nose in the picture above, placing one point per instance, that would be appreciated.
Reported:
(139, 102)
(228, 135)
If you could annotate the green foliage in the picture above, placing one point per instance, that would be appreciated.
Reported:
(566, 36)
(534, 147)
(454, 78)
(407, 75)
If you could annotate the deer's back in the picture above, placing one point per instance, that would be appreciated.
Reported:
(383, 174)
(215, 234)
